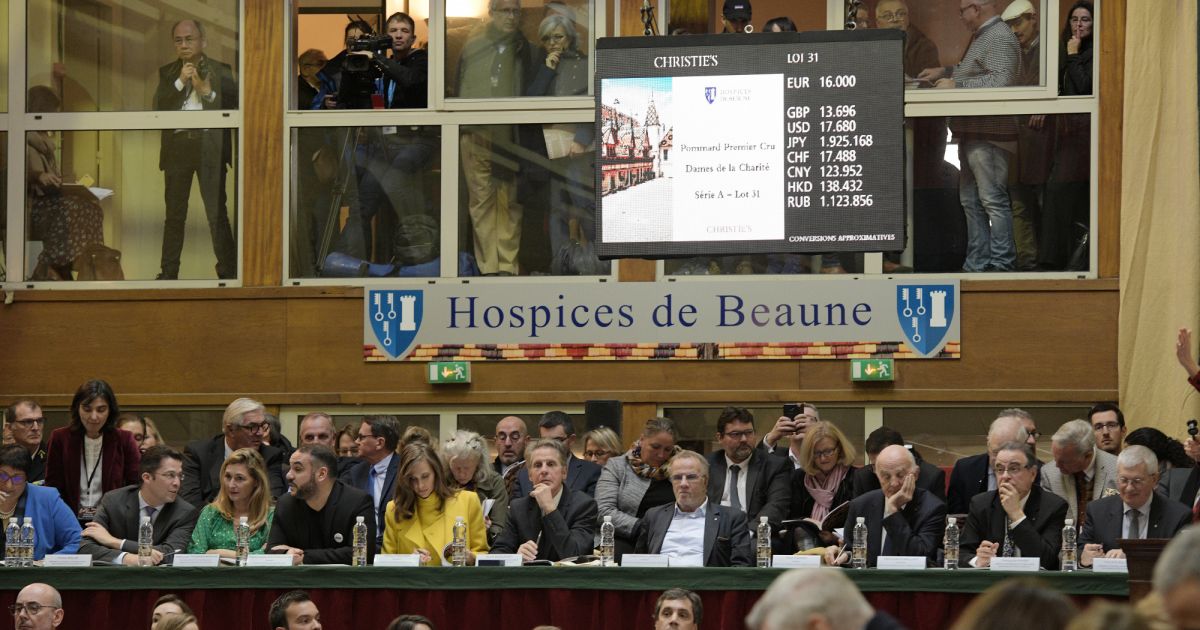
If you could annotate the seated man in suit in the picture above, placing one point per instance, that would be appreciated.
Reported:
(1018, 518)
(746, 478)
(1137, 512)
(902, 519)
(314, 522)
(113, 535)
(375, 473)
(693, 529)
(1080, 472)
(581, 475)
(974, 475)
(784, 439)
(929, 477)
(554, 521)
(244, 424)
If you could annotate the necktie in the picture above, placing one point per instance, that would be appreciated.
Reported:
(1135, 524)
(734, 501)
(1006, 550)
(374, 493)
(1083, 493)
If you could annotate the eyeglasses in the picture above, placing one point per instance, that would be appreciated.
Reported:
(689, 477)
(1035, 434)
(554, 37)
(1135, 482)
(15, 478)
(1080, 19)
(32, 608)
(364, 436)
(561, 439)
(891, 17)
(186, 40)
(963, 10)
(170, 476)
(253, 427)
(738, 435)
(512, 13)
(1011, 469)
(29, 423)
(829, 452)
(595, 453)
(515, 436)
(1106, 427)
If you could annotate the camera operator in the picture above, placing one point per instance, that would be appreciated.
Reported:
(406, 71)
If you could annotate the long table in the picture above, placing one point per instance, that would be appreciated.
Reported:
(573, 598)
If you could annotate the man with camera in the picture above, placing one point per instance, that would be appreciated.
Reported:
(195, 82)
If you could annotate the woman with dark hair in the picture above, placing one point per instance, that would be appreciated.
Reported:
(632, 483)
(410, 622)
(1018, 603)
(91, 456)
(1168, 450)
(420, 519)
(779, 25)
(1075, 58)
(167, 606)
(57, 529)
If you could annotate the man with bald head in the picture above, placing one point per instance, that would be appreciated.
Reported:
(512, 437)
(973, 475)
(317, 428)
(902, 519)
(38, 607)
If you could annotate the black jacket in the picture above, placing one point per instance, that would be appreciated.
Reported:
(726, 535)
(566, 532)
(1040, 534)
(1106, 517)
(915, 530)
(202, 461)
(167, 98)
(803, 502)
(406, 80)
(120, 514)
(969, 478)
(768, 482)
(581, 477)
(327, 536)
(930, 477)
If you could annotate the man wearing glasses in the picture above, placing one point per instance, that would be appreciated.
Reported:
(1018, 518)
(38, 607)
(694, 530)
(1137, 512)
(25, 420)
(581, 475)
(113, 535)
(745, 478)
(1109, 424)
(245, 422)
(1080, 472)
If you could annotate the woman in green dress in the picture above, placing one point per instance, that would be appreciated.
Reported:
(245, 491)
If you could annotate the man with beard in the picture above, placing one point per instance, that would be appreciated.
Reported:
(746, 478)
(314, 522)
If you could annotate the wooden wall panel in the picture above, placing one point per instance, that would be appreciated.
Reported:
(262, 137)
(1111, 26)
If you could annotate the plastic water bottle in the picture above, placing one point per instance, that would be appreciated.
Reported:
(145, 543)
(764, 542)
(359, 559)
(458, 547)
(27, 539)
(858, 555)
(242, 534)
(950, 543)
(1068, 545)
(12, 544)
(608, 535)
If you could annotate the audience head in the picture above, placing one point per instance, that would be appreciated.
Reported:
(737, 14)
(1027, 423)
(245, 422)
(347, 441)
(189, 39)
(880, 439)
(557, 34)
(557, 425)
(1073, 446)
(780, 25)
(861, 18)
(24, 418)
(1137, 475)
(511, 438)
(1108, 422)
(1022, 18)
(311, 62)
(294, 610)
(179, 622)
(94, 408)
(357, 28)
(168, 605)
(244, 487)
(14, 471)
(311, 470)
(136, 425)
(1004, 429)
(317, 428)
(274, 433)
(162, 472)
(601, 443)
(378, 437)
(421, 474)
(38, 607)
(893, 465)
(1017, 603)
(1080, 22)
(974, 13)
(892, 14)
(546, 461)
(1168, 450)
(505, 15)
(403, 31)
(658, 441)
(678, 609)
(803, 599)
(153, 435)
(465, 453)
(1102, 615)
(42, 99)
(688, 471)
(735, 433)
(1177, 578)
(1016, 464)
(417, 434)
(825, 447)
(410, 622)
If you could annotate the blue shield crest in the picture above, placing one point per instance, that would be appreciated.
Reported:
(925, 312)
(710, 94)
(395, 318)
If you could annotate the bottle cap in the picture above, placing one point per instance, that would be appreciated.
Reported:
(1069, 521)
(608, 519)
(12, 520)
(29, 520)
(145, 519)
(457, 519)
(244, 520)
(952, 520)
(762, 519)
(360, 519)
(862, 519)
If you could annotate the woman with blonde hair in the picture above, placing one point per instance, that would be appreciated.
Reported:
(420, 519)
(245, 491)
(467, 455)
(825, 477)
(599, 444)
(1017, 603)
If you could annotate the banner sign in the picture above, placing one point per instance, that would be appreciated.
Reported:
(861, 316)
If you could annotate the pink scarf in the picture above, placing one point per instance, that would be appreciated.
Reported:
(822, 491)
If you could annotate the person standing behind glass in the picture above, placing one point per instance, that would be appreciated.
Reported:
(245, 491)
(496, 62)
(57, 528)
(312, 85)
(195, 82)
(91, 456)
(421, 517)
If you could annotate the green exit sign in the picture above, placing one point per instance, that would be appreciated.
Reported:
(446, 372)
(872, 370)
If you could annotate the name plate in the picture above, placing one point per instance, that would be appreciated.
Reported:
(907, 563)
(397, 560)
(499, 560)
(1015, 564)
(796, 562)
(269, 560)
(692, 560)
(196, 560)
(644, 560)
(67, 560)
(1110, 565)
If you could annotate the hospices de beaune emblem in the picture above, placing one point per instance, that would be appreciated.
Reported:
(710, 94)
(395, 319)
(925, 312)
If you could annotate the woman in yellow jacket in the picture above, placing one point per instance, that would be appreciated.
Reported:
(421, 517)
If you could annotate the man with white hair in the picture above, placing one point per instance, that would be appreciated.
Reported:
(973, 475)
(1177, 579)
(1138, 512)
(244, 424)
(815, 599)
(1080, 472)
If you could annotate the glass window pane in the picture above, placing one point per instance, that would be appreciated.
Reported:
(365, 195)
(945, 434)
(135, 55)
(95, 203)
(1021, 202)
(1075, 53)
(527, 202)
(505, 48)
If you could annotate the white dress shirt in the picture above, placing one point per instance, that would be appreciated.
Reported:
(684, 539)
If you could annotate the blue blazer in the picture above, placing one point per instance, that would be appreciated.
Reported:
(55, 525)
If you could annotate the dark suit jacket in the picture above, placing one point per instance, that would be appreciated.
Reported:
(915, 530)
(327, 536)
(1040, 534)
(883, 621)
(969, 478)
(566, 532)
(167, 98)
(726, 535)
(930, 477)
(581, 477)
(119, 459)
(202, 461)
(120, 515)
(803, 502)
(768, 483)
(1105, 518)
(359, 476)
(1181, 484)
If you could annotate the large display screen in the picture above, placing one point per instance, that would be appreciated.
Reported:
(742, 144)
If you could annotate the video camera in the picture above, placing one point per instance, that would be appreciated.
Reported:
(360, 71)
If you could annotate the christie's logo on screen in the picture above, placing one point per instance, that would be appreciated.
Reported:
(710, 94)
